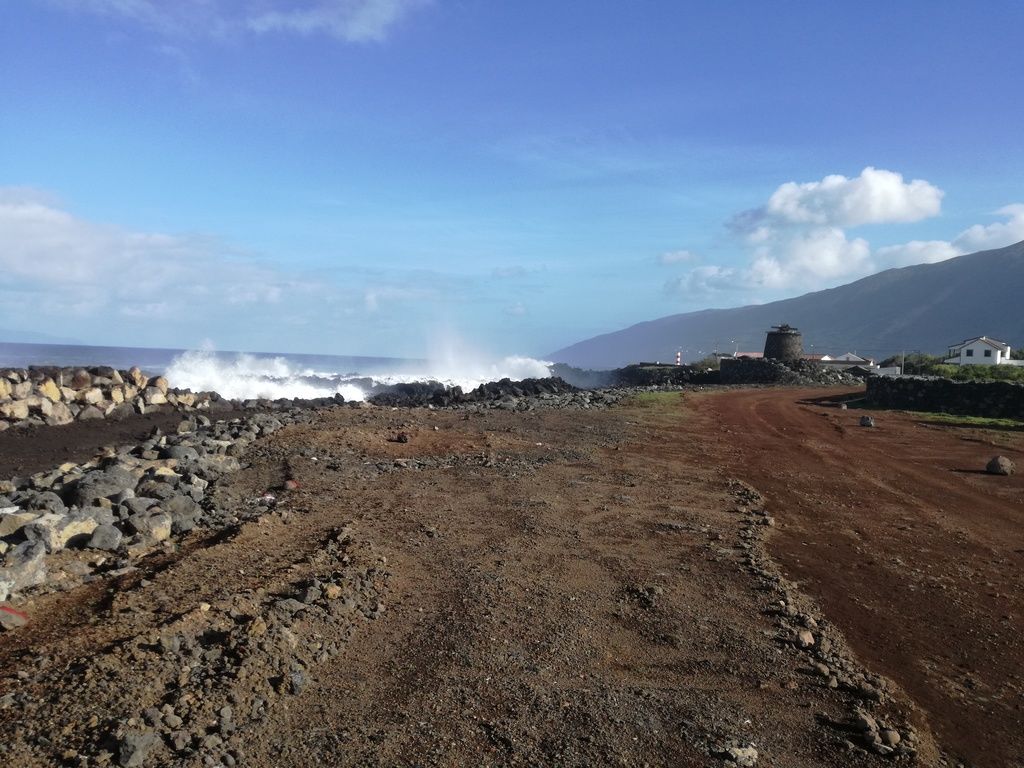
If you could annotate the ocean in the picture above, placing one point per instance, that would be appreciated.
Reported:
(245, 375)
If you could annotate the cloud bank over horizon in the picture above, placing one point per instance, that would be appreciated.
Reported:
(112, 283)
(798, 240)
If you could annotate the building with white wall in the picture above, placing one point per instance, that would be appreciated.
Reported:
(981, 350)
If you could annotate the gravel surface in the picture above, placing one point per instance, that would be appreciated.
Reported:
(515, 585)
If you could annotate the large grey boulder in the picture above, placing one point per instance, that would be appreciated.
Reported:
(102, 484)
(47, 501)
(56, 532)
(179, 452)
(12, 520)
(153, 396)
(153, 488)
(90, 413)
(14, 410)
(154, 525)
(59, 415)
(121, 411)
(183, 511)
(139, 504)
(24, 567)
(80, 379)
(1000, 465)
(135, 747)
(105, 537)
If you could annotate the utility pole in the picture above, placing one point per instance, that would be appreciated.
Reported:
(903, 361)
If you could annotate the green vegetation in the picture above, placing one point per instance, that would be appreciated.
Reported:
(969, 421)
(979, 372)
(654, 399)
(915, 364)
(932, 365)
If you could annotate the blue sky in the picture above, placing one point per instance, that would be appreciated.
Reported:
(365, 176)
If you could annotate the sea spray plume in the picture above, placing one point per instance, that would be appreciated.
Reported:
(244, 377)
(454, 361)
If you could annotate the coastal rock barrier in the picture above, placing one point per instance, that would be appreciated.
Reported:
(55, 396)
(990, 399)
(438, 395)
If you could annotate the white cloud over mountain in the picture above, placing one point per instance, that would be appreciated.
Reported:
(981, 237)
(798, 238)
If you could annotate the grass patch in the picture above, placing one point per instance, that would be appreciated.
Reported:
(1011, 373)
(979, 422)
(655, 399)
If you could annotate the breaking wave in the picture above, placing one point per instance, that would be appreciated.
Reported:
(245, 376)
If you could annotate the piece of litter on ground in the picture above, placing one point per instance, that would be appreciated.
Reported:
(11, 618)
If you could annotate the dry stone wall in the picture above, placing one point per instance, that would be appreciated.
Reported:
(991, 399)
(766, 371)
(56, 396)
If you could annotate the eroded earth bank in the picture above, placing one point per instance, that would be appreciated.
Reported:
(585, 586)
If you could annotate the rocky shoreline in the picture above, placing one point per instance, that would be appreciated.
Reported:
(76, 522)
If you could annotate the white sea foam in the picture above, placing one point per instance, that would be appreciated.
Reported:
(245, 376)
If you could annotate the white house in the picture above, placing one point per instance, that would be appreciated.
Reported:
(981, 350)
(847, 360)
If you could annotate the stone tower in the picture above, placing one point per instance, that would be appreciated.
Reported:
(784, 343)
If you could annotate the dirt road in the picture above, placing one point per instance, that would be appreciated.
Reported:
(915, 554)
(557, 588)
(544, 588)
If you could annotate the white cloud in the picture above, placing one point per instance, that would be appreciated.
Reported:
(516, 310)
(348, 20)
(980, 237)
(812, 257)
(799, 242)
(354, 21)
(997, 235)
(375, 297)
(702, 281)
(877, 196)
(677, 257)
(916, 252)
(87, 268)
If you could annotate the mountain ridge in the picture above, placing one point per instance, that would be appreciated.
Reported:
(923, 307)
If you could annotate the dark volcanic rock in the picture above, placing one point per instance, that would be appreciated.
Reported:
(105, 537)
(1000, 465)
(992, 399)
(102, 484)
(746, 370)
